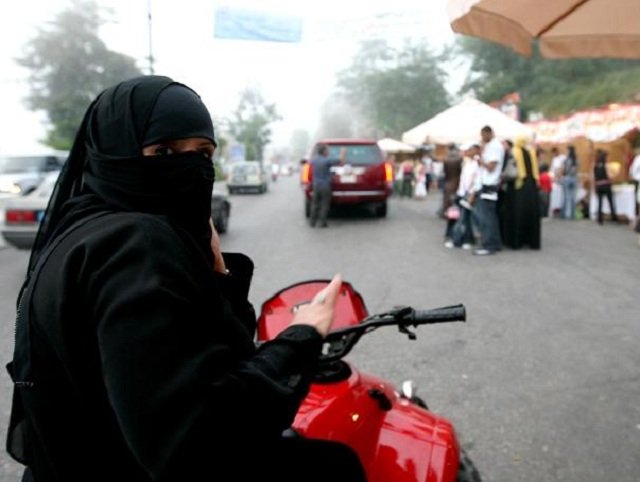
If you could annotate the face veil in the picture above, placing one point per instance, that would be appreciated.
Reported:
(106, 168)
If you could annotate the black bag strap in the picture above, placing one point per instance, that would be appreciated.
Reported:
(20, 367)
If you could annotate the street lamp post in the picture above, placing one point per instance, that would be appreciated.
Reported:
(150, 38)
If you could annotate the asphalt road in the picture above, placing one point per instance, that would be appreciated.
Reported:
(542, 382)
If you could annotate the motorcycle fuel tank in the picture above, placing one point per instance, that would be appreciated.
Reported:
(395, 439)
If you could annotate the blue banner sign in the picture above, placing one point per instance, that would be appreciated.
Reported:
(243, 24)
(236, 152)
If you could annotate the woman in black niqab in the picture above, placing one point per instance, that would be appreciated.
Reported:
(106, 169)
(134, 356)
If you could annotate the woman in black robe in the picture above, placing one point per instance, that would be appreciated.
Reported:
(526, 228)
(134, 357)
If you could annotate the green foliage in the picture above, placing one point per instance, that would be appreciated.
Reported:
(69, 66)
(250, 123)
(219, 170)
(394, 88)
(547, 85)
(617, 86)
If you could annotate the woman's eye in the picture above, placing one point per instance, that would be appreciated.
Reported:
(163, 151)
(208, 153)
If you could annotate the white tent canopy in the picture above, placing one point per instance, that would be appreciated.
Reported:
(391, 145)
(461, 124)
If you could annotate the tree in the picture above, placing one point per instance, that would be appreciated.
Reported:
(394, 88)
(69, 66)
(250, 122)
(546, 85)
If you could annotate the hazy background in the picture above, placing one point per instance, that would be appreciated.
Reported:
(296, 77)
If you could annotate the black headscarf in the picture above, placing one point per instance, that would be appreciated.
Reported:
(107, 171)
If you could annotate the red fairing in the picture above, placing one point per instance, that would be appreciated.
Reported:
(403, 444)
(396, 440)
(277, 312)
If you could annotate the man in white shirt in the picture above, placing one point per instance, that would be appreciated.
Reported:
(557, 164)
(487, 184)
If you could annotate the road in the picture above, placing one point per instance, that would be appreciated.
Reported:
(542, 382)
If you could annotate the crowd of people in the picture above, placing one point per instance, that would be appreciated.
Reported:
(496, 192)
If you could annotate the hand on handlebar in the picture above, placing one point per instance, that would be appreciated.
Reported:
(320, 312)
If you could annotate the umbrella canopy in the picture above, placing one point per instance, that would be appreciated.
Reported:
(391, 145)
(565, 28)
(462, 123)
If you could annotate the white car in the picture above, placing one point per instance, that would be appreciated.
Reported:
(247, 176)
(22, 214)
(21, 174)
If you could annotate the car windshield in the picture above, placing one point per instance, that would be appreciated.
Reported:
(357, 153)
(245, 169)
(18, 164)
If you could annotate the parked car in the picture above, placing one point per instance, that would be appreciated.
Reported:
(22, 214)
(21, 174)
(364, 179)
(248, 176)
(220, 212)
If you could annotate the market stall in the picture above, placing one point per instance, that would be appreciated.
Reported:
(612, 128)
(392, 146)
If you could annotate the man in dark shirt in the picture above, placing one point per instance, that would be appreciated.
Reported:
(321, 181)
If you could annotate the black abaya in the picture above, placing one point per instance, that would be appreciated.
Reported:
(526, 230)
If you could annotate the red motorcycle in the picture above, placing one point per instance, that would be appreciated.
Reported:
(396, 436)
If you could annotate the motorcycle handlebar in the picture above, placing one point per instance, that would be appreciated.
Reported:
(440, 315)
(340, 342)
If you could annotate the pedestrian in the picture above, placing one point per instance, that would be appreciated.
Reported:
(557, 164)
(526, 229)
(602, 185)
(490, 164)
(420, 190)
(463, 236)
(321, 184)
(546, 185)
(556, 169)
(506, 205)
(427, 162)
(569, 183)
(407, 169)
(134, 356)
(452, 170)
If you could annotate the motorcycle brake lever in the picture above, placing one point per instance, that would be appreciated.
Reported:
(405, 330)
